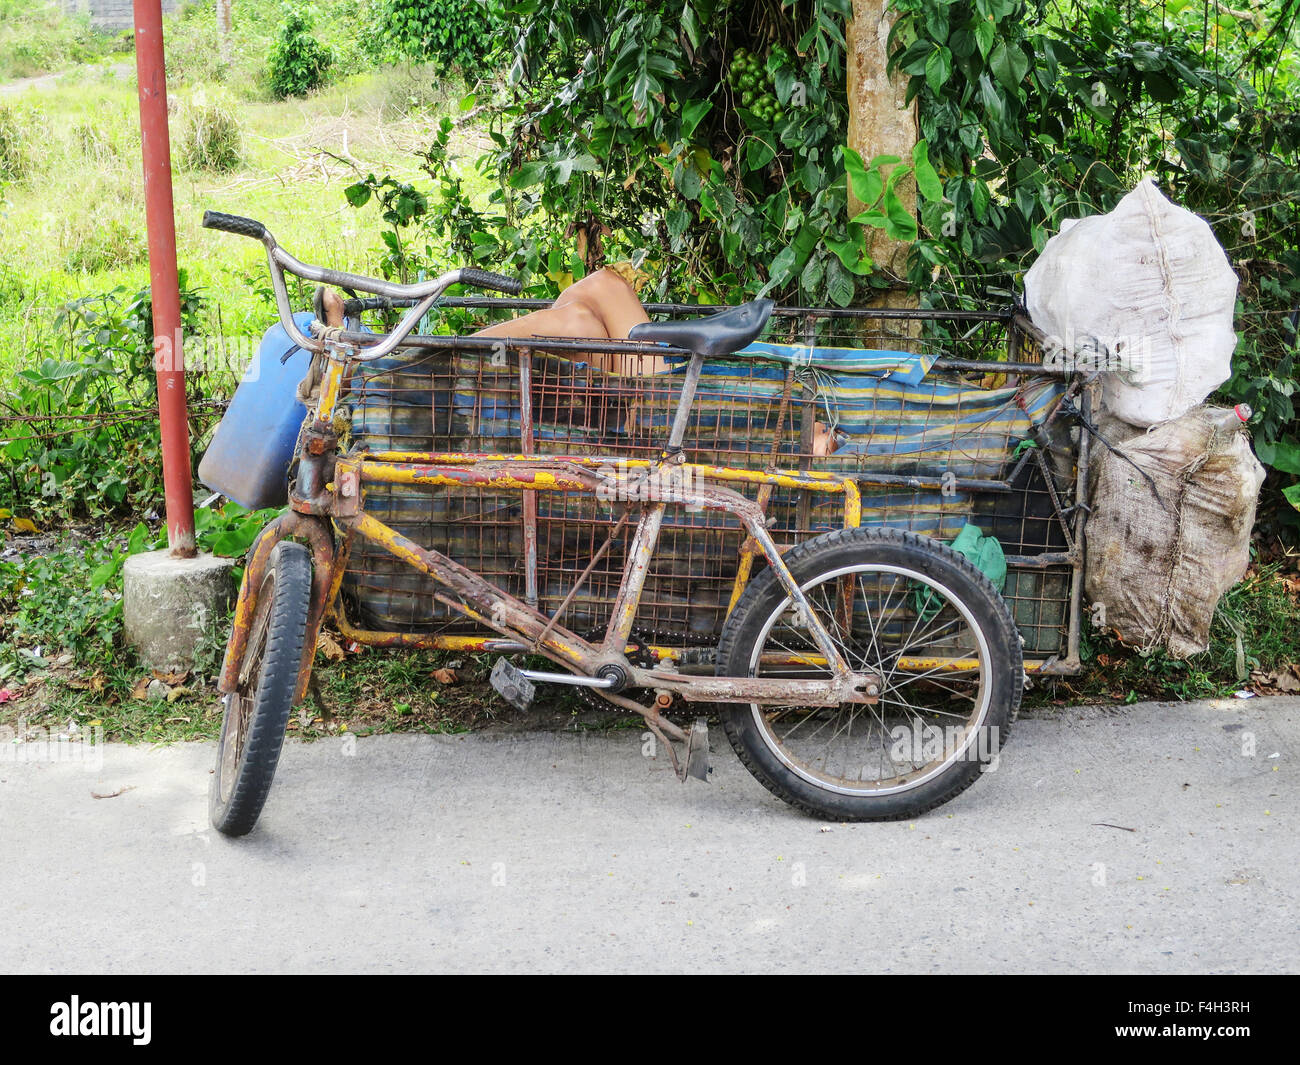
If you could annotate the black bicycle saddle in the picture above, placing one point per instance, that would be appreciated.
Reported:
(723, 333)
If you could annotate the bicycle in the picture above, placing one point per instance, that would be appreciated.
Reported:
(887, 630)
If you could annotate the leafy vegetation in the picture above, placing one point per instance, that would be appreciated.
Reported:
(15, 155)
(37, 37)
(706, 142)
(297, 62)
(450, 33)
(1034, 114)
(81, 439)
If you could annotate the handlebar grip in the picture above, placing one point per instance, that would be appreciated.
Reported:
(233, 223)
(488, 280)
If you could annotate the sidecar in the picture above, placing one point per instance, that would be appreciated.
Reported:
(943, 419)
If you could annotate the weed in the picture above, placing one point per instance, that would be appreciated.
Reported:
(15, 153)
(207, 135)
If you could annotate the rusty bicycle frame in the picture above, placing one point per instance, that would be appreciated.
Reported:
(327, 506)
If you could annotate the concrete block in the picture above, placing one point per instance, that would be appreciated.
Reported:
(169, 602)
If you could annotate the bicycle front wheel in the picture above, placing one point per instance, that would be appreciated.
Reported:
(928, 623)
(257, 712)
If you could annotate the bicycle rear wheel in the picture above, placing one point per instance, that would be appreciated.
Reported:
(935, 630)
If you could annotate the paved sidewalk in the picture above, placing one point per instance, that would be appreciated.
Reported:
(564, 851)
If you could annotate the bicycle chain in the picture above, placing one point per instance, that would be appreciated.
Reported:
(643, 657)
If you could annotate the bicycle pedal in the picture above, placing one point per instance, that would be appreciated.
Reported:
(512, 685)
(697, 751)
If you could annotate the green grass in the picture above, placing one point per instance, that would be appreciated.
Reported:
(1254, 630)
(37, 38)
(75, 224)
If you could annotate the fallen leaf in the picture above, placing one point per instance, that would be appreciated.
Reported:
(171, 679)
(112, 794)
(176, 693)
(445, 676)
(25, 525)
(95, 682)
(329, 647)
(1282, 680)
(6, 695)
(140, 690)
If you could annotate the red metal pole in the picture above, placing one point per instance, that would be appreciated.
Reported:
(169, 358)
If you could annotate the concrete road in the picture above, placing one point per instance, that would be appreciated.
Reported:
(563, 851)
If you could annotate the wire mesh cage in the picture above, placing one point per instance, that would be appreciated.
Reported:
(910, 404)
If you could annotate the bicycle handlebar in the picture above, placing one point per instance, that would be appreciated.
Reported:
(233, 223)
(423, 293)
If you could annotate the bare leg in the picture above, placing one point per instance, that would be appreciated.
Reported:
(602, 306)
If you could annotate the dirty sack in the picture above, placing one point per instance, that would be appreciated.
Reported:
(1169, 530)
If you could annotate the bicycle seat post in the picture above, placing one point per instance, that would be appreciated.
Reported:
(682, 416)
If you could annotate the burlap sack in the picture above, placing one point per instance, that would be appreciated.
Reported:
(1157, 567)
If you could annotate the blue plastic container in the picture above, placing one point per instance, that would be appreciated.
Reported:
(248, 459)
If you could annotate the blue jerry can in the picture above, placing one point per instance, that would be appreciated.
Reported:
(248, 459)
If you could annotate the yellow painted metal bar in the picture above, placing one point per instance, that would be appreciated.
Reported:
(330, 388)
(542, 480)
(441, 641)
(811, 480)
(947, 665)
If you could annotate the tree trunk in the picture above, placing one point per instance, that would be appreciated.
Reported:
(223, 32)
(879, 124)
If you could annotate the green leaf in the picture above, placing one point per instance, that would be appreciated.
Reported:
(531, 173)
(564, 168)
(812, 275)
(901, 223)
(1292, 495)
(994, 106)
(691, 26)
(839, 284)
(985, 32)
(1282, 455)
(758, 153)
(938, 68)
(927, 181)
(235, 542)
(102, 574)
(692, 113)
(677, 219)
(870, 218)
(851, 253)
(358, 195)
(866, 182)
(1009, 64)
(782, 266)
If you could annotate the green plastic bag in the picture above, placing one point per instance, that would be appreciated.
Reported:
(984, 551)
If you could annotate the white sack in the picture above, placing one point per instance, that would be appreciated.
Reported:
(1148, 291)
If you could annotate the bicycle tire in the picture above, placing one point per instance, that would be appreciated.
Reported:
(257, 713)
(914, 561)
